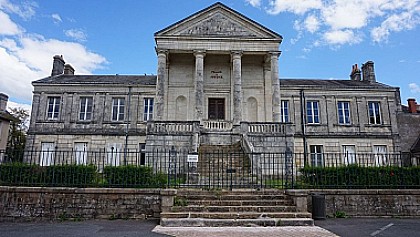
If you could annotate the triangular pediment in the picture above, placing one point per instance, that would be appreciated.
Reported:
(218, 21)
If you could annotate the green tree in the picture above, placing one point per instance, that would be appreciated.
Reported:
(17, 136)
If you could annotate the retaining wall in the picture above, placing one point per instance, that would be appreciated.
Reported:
(370, 202)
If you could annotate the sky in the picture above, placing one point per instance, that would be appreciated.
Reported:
(322, 39)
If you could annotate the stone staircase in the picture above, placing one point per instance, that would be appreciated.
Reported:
(224, 166)
(242, 207)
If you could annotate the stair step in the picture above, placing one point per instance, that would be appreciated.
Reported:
(200, 222)
(238, 215)
(242, 191)
(235, 209)
(246, 202)
(234, 197)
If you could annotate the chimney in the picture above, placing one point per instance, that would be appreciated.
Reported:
(355, 74)
(68, 70)
(368, 72)
(412, 106)
(58, 65)
(3, 101)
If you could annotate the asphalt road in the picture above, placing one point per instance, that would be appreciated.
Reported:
(372, 227)
(90, 228)
(351, 227)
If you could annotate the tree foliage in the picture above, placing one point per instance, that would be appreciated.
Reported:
(17, 134)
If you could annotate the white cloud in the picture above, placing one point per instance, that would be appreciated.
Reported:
(311, 24)
(76, 34)
(336, 19)
(27, 57)
(297, 7)
(56, 18)
(26, 10)
(12, 104)
(254, 3)
(414, 88)
(8, 27)
(339, 37)
(395, 23)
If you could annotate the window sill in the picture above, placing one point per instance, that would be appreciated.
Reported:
(377, 125)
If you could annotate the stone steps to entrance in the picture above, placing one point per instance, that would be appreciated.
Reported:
(239, 207)
(202, 208)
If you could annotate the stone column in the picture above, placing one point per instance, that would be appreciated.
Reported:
(275, 84)
(237, 88)
(160, 84)
(199, 84)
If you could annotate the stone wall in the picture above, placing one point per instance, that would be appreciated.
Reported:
(33, 203)
(371, 202)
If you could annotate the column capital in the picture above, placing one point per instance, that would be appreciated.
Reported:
(199, 53)
(236, 54)
(160, 51)
(274, 54)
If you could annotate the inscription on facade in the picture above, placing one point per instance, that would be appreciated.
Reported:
(216, 75)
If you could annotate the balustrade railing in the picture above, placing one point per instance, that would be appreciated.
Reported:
(266, 128)
(218, 125)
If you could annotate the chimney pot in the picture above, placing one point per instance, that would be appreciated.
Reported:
(412, 106)
(68, 69)
(355, 74)
(58, 65)
(368, 72)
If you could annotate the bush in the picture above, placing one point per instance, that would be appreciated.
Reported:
(354, 176)
(58, 175)
(70, 175)
(133, 176)
(20, 174)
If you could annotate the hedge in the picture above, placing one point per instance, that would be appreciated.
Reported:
(354, 176)
(133, 176)
(57, 175)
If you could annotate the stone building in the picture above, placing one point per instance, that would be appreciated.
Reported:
(217, 84)
(5, 119)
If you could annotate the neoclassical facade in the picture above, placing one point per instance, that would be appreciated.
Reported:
(217, 83)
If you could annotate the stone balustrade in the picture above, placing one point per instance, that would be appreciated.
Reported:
(270, 128)
(217, 125)
(171, 127)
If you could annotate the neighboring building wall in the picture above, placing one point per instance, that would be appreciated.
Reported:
(409, 127)
(5, 119)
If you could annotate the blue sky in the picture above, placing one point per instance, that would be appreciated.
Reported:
(322, 38)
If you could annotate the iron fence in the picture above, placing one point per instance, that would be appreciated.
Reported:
(210, 169)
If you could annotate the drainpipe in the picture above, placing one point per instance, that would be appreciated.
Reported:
(127, 124)
(302, 119)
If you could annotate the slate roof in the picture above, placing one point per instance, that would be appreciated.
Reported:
(99, 79)
(320, 83)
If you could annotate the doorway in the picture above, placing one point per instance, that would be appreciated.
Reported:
(216, 109)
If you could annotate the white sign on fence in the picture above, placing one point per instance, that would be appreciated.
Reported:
(192, 158)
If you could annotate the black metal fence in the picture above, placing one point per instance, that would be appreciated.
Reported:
(210, 170)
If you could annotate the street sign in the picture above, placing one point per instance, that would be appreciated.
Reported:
(192, 158)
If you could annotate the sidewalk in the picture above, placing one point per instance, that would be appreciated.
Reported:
(289, 231)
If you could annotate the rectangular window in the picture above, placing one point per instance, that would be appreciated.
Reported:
(374, 113)
(349, 154)
(317, 156)
(142, 148)
(47, 154)
(118, 107)
(343, 112)
(312, 112)
(148, 109)
(80, 150)
(86, 108)
(53, 109)
(113, 154)
(380, 152)
(284, 111)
